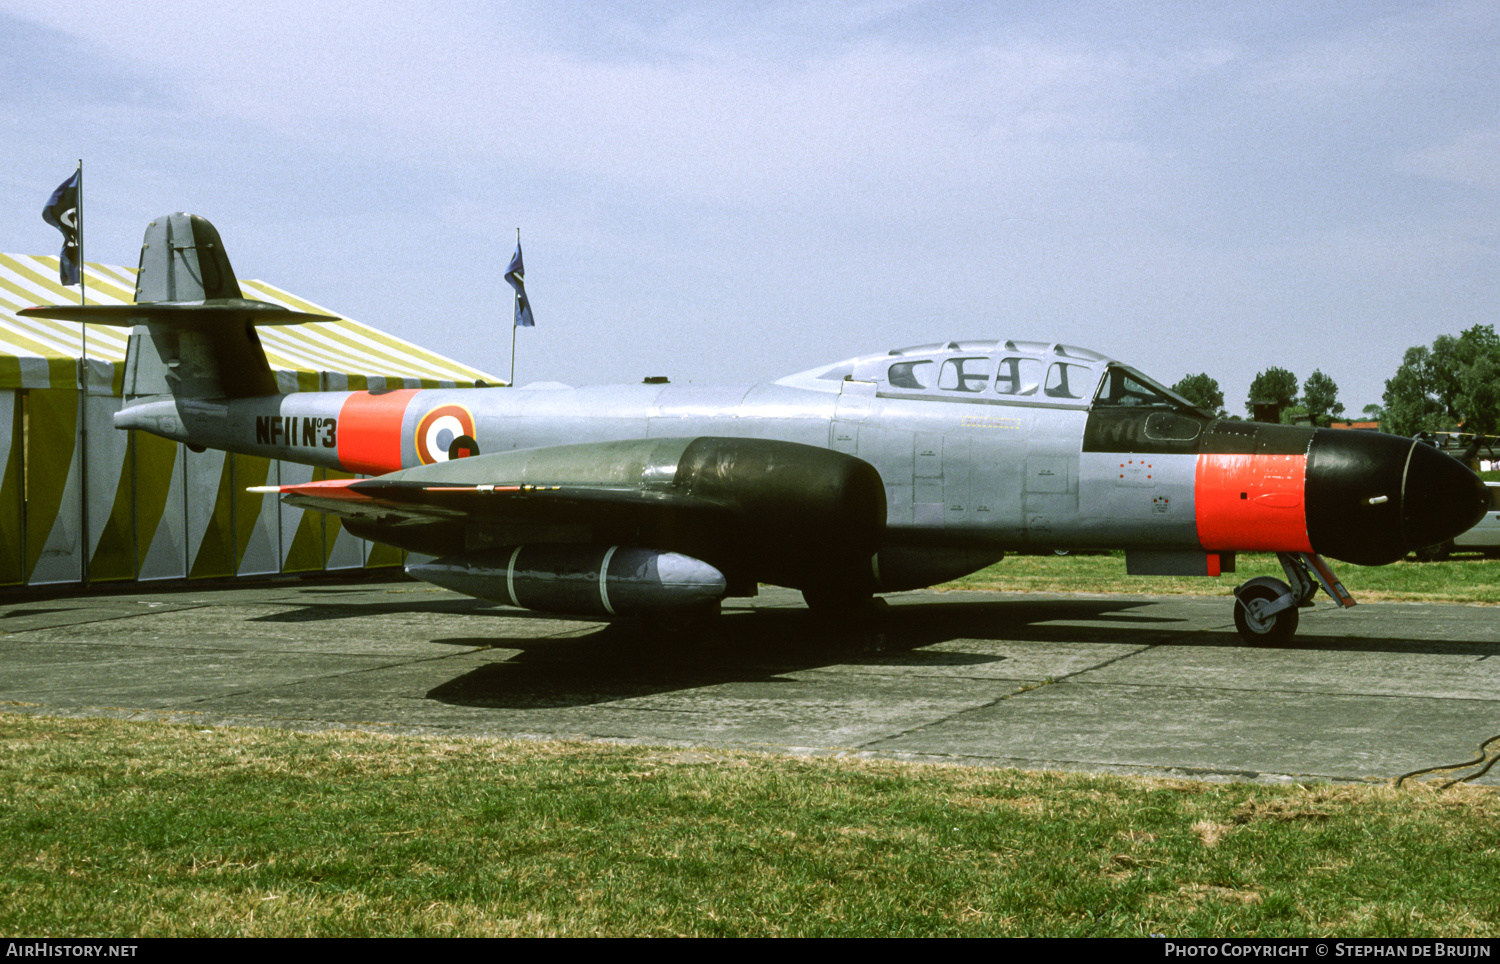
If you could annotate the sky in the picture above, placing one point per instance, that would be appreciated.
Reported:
(731, 192)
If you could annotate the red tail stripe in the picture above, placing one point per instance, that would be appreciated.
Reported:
(370, 431)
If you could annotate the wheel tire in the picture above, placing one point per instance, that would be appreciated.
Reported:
(841, 603)
(1278, 631)
(681, 622)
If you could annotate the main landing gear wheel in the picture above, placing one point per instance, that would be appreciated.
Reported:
(680, 622)
(841, 603)
(1258, 629)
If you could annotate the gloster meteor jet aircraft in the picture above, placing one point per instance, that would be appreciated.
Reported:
(876, 474)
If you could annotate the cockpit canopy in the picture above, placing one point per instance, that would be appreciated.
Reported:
(1022, 372)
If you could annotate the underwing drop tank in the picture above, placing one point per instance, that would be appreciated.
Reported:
(580, 580)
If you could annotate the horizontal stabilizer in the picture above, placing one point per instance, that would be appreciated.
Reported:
(180, 314)
(185, 281)
(200, 339)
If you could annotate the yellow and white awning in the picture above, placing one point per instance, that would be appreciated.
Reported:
(43, 353)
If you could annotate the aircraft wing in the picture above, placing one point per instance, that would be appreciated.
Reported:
(757, 510)
(412, 502)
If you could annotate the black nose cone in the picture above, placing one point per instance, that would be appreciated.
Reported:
(1372, 498)
(1441, 498)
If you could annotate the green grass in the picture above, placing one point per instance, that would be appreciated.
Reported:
(131, 829)
(150, 829)
(1464, 578)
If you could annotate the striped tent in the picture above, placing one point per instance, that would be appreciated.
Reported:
(80, 501)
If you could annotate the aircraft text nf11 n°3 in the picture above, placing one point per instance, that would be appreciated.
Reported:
(876, 474)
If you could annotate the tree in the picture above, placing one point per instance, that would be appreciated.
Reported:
(1273, 385)
(1202, 391)
(1454, 383)
(1476, 356)
(1413, 396)
(1321, 398)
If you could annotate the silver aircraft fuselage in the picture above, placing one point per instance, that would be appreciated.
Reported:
(986, 445)
(879, 473)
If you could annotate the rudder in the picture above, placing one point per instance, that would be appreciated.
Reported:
(183, 259)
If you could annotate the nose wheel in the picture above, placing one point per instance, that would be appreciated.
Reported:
(1259, 618)
(1266, 609)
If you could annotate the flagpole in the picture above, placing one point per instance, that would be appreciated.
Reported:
(515, 307)
(83, 282)
(83, 398)
(64, 211)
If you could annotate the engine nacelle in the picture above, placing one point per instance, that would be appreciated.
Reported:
(579, 579)
(807, 517)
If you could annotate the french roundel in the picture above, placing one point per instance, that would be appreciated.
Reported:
(437, 430)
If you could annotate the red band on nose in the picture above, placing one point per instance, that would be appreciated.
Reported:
(1248, 502)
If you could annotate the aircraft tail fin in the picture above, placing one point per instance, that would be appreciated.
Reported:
(183, 259)
(199, 339)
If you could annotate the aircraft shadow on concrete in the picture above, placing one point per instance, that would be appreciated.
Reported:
(542, 668)
(626, 660)
(623, 660)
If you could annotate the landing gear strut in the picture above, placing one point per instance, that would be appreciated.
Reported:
(1265, 609)
(844, 605)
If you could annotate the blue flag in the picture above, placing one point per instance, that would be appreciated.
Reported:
(62, 213)
(516, 275)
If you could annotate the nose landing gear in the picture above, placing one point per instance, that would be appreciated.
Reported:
(1265, 609)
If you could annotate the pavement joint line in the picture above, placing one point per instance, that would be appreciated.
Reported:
(1361, 694)
(107, 619)
(1352, 694)
(1023, 688)
(303, 681)
(1144, 647)
(354, 671)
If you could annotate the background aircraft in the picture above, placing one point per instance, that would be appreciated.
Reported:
(874, 474)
